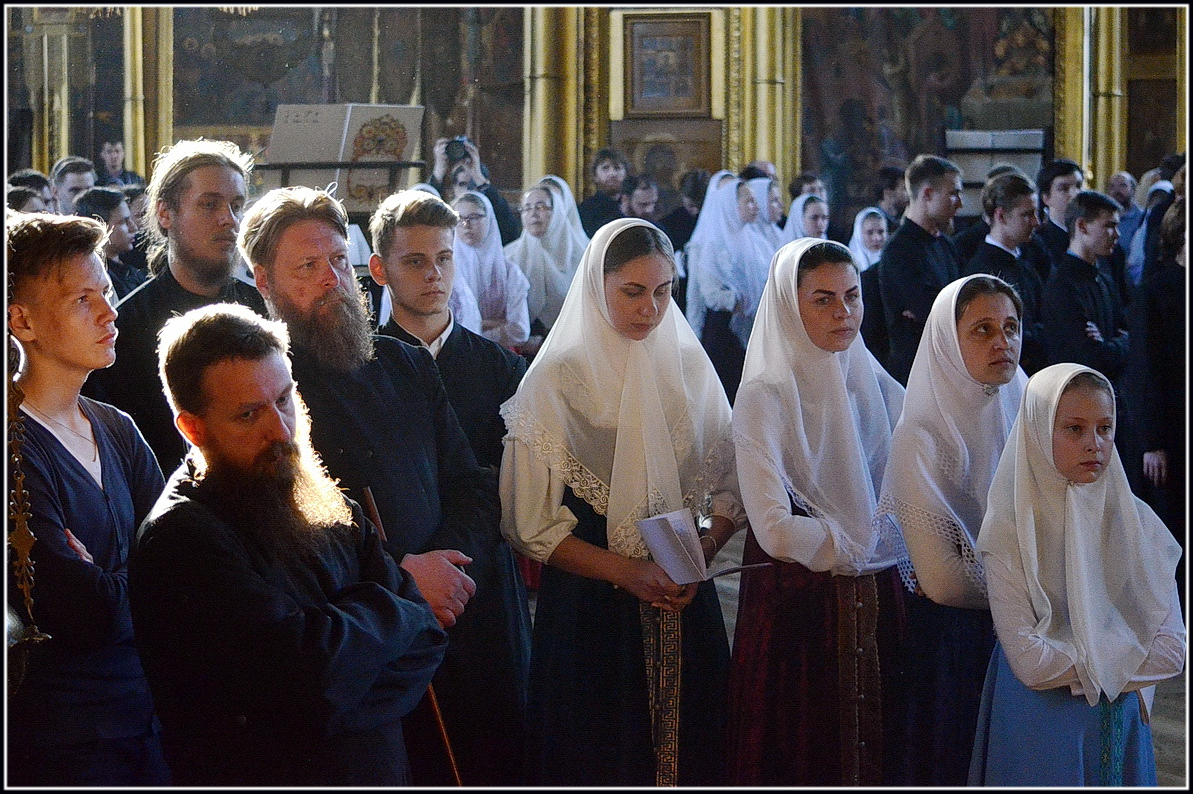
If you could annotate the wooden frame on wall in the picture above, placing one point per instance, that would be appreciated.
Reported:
(667, 66)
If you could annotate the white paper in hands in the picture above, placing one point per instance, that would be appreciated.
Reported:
(674, 544)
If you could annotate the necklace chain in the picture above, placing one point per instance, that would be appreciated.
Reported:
(43, 415)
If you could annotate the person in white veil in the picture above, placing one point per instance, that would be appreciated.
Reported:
(807, 217)
(500, 286)
(730, 265)
(1081, 576)
(770, 209)
(869, 236)
(547, 252)
(696, 309)
(620, 417)
(963, 394)
(817, 631)
(577, 237)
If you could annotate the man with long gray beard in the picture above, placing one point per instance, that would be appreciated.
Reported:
(196, 199)
(282, 644)
(382, 421)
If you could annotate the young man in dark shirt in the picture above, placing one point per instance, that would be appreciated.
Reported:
(83, 715)
(196, 199)
(919, 259)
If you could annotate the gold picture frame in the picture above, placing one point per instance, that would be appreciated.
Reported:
(667, 66)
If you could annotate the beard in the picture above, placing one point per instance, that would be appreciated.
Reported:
(284, 502)
(208, 272)
(337, 331)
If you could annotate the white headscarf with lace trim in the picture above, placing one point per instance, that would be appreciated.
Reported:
(635, 428)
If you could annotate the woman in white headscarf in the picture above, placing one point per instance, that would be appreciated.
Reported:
(869, 236)
(499, 285)
(548, 252)
(963, 394)
(729, 265)
(620, 417)
(577, 237)
(808, 217)
(770, 210)
(1082, 588)
(696, 309)
(816, 631)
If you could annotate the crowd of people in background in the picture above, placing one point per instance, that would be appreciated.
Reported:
(287, 516)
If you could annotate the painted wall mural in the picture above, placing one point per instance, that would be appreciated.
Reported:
(881, 85)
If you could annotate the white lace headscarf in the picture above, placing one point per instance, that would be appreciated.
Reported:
(857, 246)
(947, 443)
(636, 428)
(548, 262)
(1098, 562)
(767, 230)
(822, 420)
(499, 285)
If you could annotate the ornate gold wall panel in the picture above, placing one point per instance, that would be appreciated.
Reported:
(732, 148)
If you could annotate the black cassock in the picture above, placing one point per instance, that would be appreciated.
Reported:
(389, 426)
(267, 674)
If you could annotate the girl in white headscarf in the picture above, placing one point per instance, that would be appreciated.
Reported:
(499, 285)
(812, 431)
(869, 236)
(620, 417)
(963, 394)
(729, 265)
(808, 217)
(547, 252)
(1082, 588)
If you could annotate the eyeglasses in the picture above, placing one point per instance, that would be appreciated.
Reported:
(533, 208)
(471, 220)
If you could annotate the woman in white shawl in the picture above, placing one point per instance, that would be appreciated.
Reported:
(807, 217)
(548, 252)
(869, 236)
(963, 394)
(1082, 588)
(729, 265)
(812, 431)
(620, 417)
(577, 237)
(770, 210)
(696, 310)
(499, 285)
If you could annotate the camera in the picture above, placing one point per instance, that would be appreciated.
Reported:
(455, 149)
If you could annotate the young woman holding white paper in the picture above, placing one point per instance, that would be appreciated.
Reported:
(621, 416)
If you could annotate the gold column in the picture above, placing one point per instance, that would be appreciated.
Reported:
(733, 146)
(159, 78)
(551, 128)
(134, 91)
(595, 77)
(1109, 111)
(792, 153)
(1070, 87)
(769, 136)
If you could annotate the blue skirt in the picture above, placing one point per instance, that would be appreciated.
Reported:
(1050, 737)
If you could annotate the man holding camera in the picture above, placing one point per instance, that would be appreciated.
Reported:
(450, 152)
